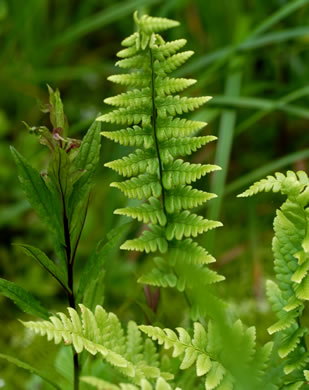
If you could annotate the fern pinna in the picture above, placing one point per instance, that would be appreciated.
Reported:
(156, 174)
(291, 253)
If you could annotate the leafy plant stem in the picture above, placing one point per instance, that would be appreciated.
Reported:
(70, 265)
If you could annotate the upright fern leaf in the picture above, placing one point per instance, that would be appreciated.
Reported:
(158, 175)
(291, 260)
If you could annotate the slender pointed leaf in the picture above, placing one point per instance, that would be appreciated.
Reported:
(23, 299)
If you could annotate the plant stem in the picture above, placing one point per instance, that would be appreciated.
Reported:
(70, 268)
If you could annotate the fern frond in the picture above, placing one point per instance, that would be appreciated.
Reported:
(151, 212)
(162, 181)
(140, 187)
(192, 351)
(127, 116)
(287, 184)
(172, 105)
(83, 333)
(161, 276)
(130, 40)
(291, 264)
(131, 98)
(101, 333)
(172, 63)
(100, 384)
(166, 85)
(135, 62)
(127, 52)
(134, 79)
(135, 136)
(168, 48)
(186, 198)
(150, 241)
(189, 251)
(135, 163)
(186, 224)
(176, 127)
(183, 146)
(179, 173)
(150, 24)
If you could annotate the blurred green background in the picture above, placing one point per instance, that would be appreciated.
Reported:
(252, 56)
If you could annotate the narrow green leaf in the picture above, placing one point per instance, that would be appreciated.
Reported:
(23, 299)
(86, 163)
(56, 271)
(37, 192)
(29, 368)
(57, 117)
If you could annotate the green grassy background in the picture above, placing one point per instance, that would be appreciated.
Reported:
(252, 56)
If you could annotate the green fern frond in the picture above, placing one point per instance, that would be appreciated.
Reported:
(172, 105)
(287, 184)
(134, 79)
(186, 224)
(101, 333)
(189, 251)
(135, 163)
(168, 48)
(135, 62)
(150, 24)
(151, 107)
(179, 173)
(184, 146)
(176, 127)
(170, 64)
(151, 212)
(291, 264)
(186, 198)
(166, 86)
(83, 333)
(100, 384)
(127, 116)
(142, 186)
(131, 98)
(135, 136)
(161, 276)
(192, 351)
(150, 241)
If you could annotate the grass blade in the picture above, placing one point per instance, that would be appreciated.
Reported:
(225, 136)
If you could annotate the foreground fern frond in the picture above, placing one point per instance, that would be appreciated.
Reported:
(291, 254)
(205, 351)
(101, 333)
(158, 175)
(100, 384)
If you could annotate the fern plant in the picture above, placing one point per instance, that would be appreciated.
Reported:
(156, 171)
(289, 294)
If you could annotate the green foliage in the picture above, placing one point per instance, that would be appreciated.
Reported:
(31, 369)
(100, 384)
(205, 351)
(160, 178)
(290, 250)
(22, 298)
(101, 333)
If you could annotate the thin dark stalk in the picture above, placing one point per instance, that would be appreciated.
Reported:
(70, 268)
(154, 127)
